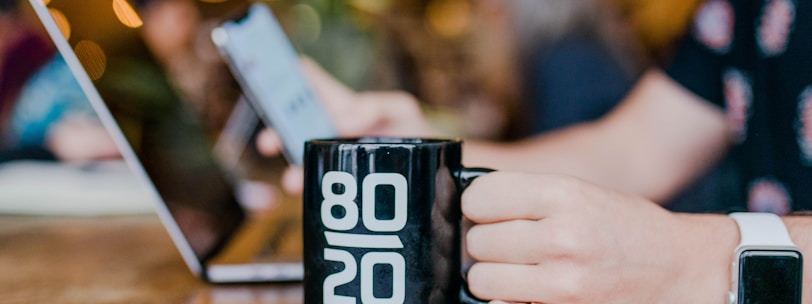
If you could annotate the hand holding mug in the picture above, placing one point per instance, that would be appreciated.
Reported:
(555, 239)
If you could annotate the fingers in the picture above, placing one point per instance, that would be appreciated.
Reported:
(368, 113)
(387, 114)
(531, 197)
(293, 180)
(79, 139)
(545, 283)
(506, 282)
(269, 143)
(519, 242)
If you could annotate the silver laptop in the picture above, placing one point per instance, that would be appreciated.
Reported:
(213, 195)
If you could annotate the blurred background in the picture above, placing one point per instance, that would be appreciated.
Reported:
(483, 69)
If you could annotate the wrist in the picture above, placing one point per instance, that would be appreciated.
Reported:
(707, 244)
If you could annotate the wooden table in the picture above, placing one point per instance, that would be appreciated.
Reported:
(123, 259)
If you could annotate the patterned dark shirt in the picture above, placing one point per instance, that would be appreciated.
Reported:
(753, 58)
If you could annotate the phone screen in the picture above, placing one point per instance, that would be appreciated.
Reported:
(267, 68)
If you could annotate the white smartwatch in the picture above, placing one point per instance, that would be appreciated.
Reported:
(767, 266)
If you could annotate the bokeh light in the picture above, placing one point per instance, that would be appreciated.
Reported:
(61, 22)
(126, 14)
(449, 18)
(309, 23)
(371, 6)
(92, 58)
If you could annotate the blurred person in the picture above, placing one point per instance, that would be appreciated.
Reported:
(43, 111)
(574, 61)
(582, 70)
(178, 35)
(738, 83)
(516, 67)
(502, 70)
(460, 59)
(22, 52)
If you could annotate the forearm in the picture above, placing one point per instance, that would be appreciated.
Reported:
(572, 151)
(590, 152)
(660, 138)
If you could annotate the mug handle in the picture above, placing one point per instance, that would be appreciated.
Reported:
(464, 178)
(467, 175)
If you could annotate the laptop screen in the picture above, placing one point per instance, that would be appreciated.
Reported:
(180, 112)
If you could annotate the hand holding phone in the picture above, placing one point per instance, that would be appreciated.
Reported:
(267, 68)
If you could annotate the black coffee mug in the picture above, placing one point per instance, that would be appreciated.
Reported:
(382, 221)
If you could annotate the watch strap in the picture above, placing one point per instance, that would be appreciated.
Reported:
(761, 230)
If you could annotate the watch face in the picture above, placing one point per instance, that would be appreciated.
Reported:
(773, 277)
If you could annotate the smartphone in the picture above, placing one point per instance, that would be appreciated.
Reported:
(266, 66)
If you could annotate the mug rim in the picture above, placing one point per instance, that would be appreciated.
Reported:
(386, 140)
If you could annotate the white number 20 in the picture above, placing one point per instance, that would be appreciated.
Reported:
(368, 262)
(346, 200)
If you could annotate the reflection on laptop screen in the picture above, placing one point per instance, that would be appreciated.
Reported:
(174, 101)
